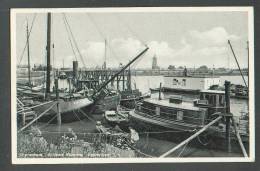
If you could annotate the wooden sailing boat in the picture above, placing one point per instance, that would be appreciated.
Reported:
(26, 77)
(66, 102)
(129, 96)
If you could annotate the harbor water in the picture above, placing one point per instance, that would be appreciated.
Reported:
(148, 144)
(144, 83)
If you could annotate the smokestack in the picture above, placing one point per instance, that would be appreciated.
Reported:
(75, 69)
(160, 89)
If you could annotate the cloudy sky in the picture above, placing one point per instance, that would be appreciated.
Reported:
(188, 39)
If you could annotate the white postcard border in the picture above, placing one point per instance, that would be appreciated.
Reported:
(16, 160)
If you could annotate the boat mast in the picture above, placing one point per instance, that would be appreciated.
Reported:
(28, 53)
(48, 80)
(121, 70)
(105, 63)
(129, 79)
(237, 62)
(247, 43)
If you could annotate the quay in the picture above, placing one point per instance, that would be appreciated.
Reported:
(158, 72)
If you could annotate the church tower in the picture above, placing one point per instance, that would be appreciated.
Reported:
(154, 63)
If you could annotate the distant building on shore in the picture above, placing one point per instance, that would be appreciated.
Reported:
(154, 63)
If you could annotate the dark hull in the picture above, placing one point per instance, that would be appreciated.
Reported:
(67, 110)
(66, 117)
(210, 139)
(108, 103)
(123, 124)
(130, 102)
(185, 91)
(164, 123)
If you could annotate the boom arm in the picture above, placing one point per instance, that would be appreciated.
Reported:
(114, 76)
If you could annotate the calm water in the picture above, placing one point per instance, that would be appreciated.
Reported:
(144, 83)
(150, 145)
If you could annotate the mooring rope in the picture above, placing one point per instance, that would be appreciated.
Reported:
(138, 151)
(183, 149)
(80, 121)
(47, 123)
(87, 116)
(172, 131)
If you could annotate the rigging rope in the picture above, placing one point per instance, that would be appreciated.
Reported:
(47, 123)
(102, 36)
(70, 42)
(204, 144)
(138, 151)
(26, 44)
(135, 35)
(80, 121)
(130, 30)
(183, 149)
(73, 38)
(87, 116)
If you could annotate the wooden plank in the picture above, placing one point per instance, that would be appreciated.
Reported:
(37, 118)
(25, 109)
(239, 139)
(191, 137)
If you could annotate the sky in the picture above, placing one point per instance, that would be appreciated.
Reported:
(188, 39)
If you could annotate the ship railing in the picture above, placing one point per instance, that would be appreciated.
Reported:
(201, 119)
(170, 121)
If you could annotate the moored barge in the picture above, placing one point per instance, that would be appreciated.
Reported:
(185, 117)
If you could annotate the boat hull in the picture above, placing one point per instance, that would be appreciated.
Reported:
(129, 99)
(176, 133)
(176, 90)
(67, 110)
(122, 123)
(108, 103)
(139, 117)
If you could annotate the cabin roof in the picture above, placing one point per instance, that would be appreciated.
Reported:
(213, 91)
(166, 103)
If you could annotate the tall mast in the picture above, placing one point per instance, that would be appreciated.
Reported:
(129, 79)
(28, 53)
(237, 62)
(247, 47)
(48, 48)
(53, 55)
(247, 43)
(121, 70)
(105, 63)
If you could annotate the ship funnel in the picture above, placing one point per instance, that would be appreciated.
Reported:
(75, 69)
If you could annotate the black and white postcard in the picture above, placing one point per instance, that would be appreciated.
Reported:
(132, 85)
